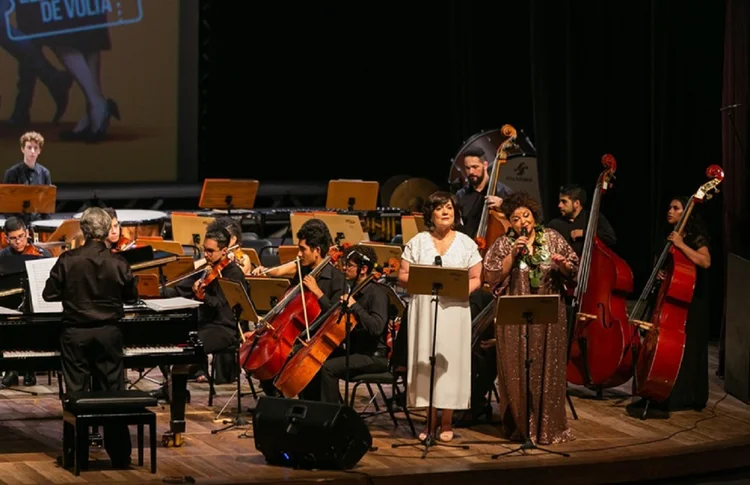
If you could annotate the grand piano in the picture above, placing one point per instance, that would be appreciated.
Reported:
(30, 342)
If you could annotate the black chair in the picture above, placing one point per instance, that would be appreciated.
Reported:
(84, 409)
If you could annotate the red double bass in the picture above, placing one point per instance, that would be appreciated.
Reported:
(663, 345)
(602, 331)
(264, 355)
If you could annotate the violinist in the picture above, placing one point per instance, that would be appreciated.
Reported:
(471, 197)
(19, 247)
(313, 246)
(115, 240)
(368, 348)
(217, 327)
(235, 239)
(690, 390)
(573, 220)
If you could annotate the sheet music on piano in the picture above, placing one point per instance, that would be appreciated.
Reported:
(166, 304)
(9, 311)
(38, 271)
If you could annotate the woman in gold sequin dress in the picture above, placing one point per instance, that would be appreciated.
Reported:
(549, 261)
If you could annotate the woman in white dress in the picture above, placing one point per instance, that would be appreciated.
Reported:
(453, 346)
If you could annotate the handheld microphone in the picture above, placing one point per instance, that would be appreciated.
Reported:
(438, 260)
(524, 250)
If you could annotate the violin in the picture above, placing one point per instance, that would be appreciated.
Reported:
(209, 275)
(601, 329)
(305, 363)
(494, 224)
(31, 250)
(266, 354)
(663, 345)
(123, 244)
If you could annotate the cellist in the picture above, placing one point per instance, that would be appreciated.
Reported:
(314, 241)
(368, 350)
(217, 327)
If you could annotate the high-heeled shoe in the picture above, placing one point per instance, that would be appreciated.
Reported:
(113, 111)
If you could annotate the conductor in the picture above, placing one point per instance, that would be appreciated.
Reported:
(93, 284)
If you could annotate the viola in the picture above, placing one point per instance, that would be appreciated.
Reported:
(31, 250)
(493, 224)
(303, 365)
(601, 328)
(663, 344)
(265, 354)
(209, 275)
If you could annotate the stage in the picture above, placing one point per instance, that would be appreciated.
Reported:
(610, 446)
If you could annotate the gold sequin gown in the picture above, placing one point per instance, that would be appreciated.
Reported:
(548, 349)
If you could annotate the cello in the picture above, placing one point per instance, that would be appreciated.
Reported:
(601, 330)
(663, 345)
(493, 224)
(305, 364)
(265, 354)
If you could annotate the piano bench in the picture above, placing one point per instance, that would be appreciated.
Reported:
(84, 409)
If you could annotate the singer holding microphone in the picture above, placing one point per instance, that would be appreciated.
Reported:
(444, 246)
(531, 260)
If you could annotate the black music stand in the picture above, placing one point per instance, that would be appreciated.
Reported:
(527, 310)
(243, 309)
(228, 194)
(436, 281)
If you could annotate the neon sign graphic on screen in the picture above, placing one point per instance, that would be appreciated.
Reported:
(57, 17)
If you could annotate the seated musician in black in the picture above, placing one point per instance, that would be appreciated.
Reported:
(90, 313)
(328, 286)
(368, 352)
(20, 246)
(217, 327)
(574, 218)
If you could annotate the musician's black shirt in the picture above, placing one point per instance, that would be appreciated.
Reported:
(371, 313)
(604, 230)
(472, 202)
(331, 282)
(92, 284)
(215, 308)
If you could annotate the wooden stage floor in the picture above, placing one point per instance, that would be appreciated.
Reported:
(610, 447)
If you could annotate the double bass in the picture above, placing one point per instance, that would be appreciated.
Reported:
(601, 331)
(493, 224)
(302, 367)
(663, 344)
(266, 352)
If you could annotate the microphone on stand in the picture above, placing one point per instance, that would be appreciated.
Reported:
(730, 106)
(525, 249)
(438, 260)
(528, 140)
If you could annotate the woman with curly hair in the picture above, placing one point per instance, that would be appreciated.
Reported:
(531, 260)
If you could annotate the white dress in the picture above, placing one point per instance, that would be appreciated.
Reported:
(453, 348)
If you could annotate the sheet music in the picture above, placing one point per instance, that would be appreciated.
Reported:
(166, 304)
(9, 311)
(38, 271)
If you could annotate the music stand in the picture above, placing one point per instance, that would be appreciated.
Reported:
(189, 230)
(242, 307)
(438, 282)
(27, 199)
(411, 226)
(352, 195)
(527, 310)
(267, 291)
(343, 228)
(228, 194)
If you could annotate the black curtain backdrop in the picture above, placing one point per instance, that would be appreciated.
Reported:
(352, 90)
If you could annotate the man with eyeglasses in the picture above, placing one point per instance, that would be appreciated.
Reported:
(19, 246)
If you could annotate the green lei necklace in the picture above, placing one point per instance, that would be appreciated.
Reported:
(533, 261)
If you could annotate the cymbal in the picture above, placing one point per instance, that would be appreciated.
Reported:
(412, 194)
(386, 190)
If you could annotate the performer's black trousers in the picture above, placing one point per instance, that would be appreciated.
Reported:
(92, 356)
(325, 385)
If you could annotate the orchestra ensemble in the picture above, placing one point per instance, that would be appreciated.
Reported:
(339, 319)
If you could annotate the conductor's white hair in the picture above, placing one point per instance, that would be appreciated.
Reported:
(95, 223)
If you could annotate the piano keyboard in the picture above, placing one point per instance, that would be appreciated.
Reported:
(128, 352)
